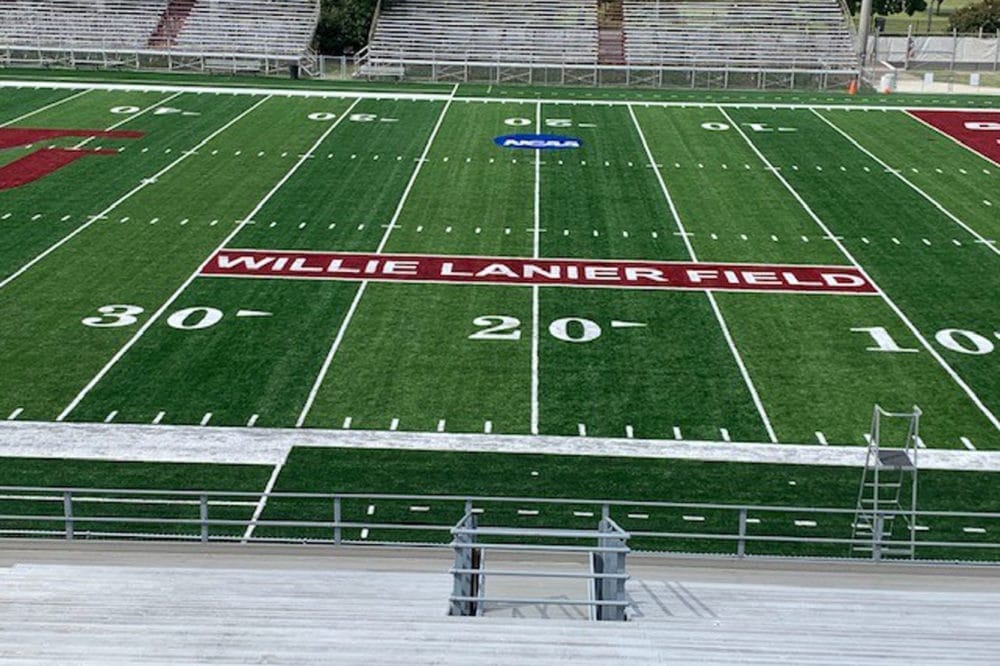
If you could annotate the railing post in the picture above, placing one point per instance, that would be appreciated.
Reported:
(337, 534)
(741, 545)
(203, 515)
(877, 536)
(68, 513)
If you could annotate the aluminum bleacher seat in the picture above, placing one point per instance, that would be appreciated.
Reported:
(124, 24)
(486, 31)
(799, 34)
(273, 27)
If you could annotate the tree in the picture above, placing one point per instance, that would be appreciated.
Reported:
(985, 16)
(887, 7)
(343, 25)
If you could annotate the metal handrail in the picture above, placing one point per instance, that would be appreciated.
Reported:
(202, 526)
(457, 498)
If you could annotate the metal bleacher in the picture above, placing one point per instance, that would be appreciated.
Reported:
(283, 27)
(487, 31)
(272, 27)
(79, 23)
(799, 34)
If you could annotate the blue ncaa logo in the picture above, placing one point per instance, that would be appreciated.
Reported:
(537, 141)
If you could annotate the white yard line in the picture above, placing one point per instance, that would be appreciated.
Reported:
(389, 95)
(896, 172)
(128, 195)
(850, 257)
(954, 140)
(711, 297)
(45, 108)
(262, 502)
(342, 330)
(239, 227)
(536, 253)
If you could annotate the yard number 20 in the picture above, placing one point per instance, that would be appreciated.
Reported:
(567, 329)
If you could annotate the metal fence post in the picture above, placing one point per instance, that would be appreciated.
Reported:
(68, 513)
(877, 537)
(336, 521)
(741, 545)
(203, 513)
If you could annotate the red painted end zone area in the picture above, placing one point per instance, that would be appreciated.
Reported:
(547, 272)
(978, 130)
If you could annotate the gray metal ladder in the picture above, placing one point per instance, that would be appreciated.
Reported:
(885, 514)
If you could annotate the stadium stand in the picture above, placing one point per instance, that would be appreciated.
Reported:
(278, 27)
(123, 24)
(803, 34)
(486, 31)
(118, 603)
(282, 27)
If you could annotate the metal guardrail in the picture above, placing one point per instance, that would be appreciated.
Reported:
(173, 60)
(606, 548)
(380, 519)
(696, 73)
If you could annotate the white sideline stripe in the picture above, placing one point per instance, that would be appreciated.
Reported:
(975, 234)
(173, 297)
(536, 253)
(972, 150)
(711, 297)
(262, 502)
(850, 257)
(45, 108)
(146, 181)
(268, 446)
(339, 338)
(442, 97)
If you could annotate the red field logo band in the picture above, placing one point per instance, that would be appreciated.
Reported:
(546, 272)
(44, 161)
(978, 130)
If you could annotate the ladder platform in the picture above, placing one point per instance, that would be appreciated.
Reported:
(895, 459)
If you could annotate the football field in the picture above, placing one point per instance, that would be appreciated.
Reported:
(463, 263)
